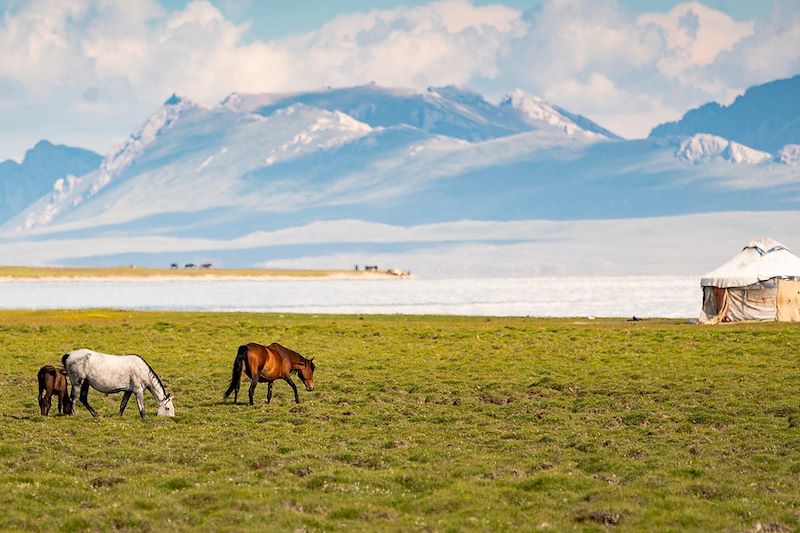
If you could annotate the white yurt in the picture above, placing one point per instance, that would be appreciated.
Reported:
(761, 283)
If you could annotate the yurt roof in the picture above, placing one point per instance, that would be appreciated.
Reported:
(760, 260)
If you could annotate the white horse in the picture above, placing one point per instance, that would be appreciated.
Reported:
(106, 373)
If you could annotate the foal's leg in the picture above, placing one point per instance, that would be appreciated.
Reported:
(140, 402)
(294, 388)
(85, 398)
(48, 401)
(41, 398)
(60, 404)
(125, 397)
(269, 392)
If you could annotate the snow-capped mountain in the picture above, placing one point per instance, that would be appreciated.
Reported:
(539, 114)
(186, 157)
(323, 173)
(766, 117)
(275, 151)
(42, 166)
(450, 111)
(706, 148)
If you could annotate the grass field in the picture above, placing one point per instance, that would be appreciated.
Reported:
(417, 423)
(27, 272)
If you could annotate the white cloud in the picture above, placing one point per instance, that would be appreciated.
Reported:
(770, 52)
(695, 35)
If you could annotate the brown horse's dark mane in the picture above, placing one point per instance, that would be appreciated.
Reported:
(292, 353)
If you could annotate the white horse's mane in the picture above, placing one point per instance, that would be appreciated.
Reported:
(153, 376)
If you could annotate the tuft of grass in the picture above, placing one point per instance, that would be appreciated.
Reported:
(432, 423)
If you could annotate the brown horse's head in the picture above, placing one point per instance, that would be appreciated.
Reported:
(305, 371)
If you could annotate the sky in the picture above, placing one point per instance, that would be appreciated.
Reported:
(88, 72)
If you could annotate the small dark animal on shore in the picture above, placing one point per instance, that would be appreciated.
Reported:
(173, 265)
(266, 364)
(53, 380)
(205, 265)
(188, 265)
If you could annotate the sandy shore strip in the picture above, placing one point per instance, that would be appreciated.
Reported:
(28, 274)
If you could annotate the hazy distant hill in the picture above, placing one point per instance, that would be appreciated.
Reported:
(766, 117)
(43, 165)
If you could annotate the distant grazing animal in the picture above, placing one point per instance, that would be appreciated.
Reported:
(173, 265)
(53, 380)
(129, 374)
(266, 364)
(188, 265)
(205, 265)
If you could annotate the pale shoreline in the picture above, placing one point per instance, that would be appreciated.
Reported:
(208, 277)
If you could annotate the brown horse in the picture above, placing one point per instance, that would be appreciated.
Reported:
(266, 364)
(54, 380)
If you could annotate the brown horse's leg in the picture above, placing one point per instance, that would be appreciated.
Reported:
(294, 388)
(252, 391)
(236, 390)
(125, 397)
(269, 391)
(60, 404)
(85, 398)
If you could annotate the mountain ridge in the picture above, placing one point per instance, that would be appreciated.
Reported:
(42, 165)
(766, 117)
(257, 165)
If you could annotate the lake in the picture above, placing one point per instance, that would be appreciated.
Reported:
(674, 297)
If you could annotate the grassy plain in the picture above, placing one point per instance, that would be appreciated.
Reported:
(28, 272)
(417, 423)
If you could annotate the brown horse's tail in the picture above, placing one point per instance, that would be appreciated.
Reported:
(236, 374)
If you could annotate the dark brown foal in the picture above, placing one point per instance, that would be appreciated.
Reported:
(53, 380)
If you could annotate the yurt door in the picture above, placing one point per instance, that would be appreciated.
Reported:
(788, 301)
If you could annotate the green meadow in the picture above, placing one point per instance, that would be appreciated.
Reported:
(417, 423)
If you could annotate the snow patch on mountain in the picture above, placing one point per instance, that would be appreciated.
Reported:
(703, 148)
(450, 110)
(184, 149)
(123, 155)
(73, 193)
(538, 113)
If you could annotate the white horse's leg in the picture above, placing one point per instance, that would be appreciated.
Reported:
(125, 397)
(72, 392)
(85, 398)
(140, 401)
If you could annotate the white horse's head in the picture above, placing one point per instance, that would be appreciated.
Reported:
(165, 408)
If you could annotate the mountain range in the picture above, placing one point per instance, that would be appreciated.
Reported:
(41, 168)
(321, 178)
